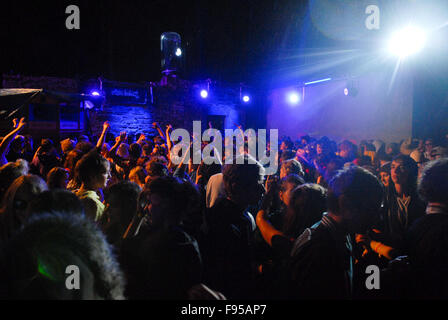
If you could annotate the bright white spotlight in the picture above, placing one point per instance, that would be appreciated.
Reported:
(293, 98)
(178, 52)
(407, 41)
(95, 93)
(204, 94)
(246, 99)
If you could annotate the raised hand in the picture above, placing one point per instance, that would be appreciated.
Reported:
(123, 136)
(106, 126)
(21, 124)
(142, 138)
(14, 122)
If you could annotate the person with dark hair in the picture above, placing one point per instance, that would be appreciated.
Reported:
(204, 172)
(321, 264)
(286, 144)
(392, 149)
(306, 206)
(291, 166)
(67, 145)
(34, 264)
(402, 205)
(304, 140)
(45, 158)
(230, 228)
(10, 172)
(57, 200)
(384, 175)
(306, 163)
(18, 151)
(16, 202)
(286, 155)
(347, 151)
(276, 199)
(324, 154)
(155, 169)
(427, 239)
(70, 164)
(121, 207)
(130, 162)
(334, 164)
(57, 178)
(93, 172)
(162, 261)
(6, 141)
(84, 146)
(138, 175)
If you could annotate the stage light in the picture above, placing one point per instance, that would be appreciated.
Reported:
(204, 94)
(88, 105)
(95, 93)
(317, 81)
(407, 41)
(293, 98)
(351, 91)
(178, 52)
(246, 98)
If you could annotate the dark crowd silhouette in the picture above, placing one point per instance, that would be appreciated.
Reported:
(139, 227)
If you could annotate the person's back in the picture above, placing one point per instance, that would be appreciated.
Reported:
(162, 261)
(321, 264)
(427, 239)
(230, 228)
(428, 253)
(161, 264)
(229, 253)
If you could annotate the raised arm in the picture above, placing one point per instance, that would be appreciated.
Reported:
(159, 130)
(119, 140)
(99, 145)
(168, 139)
(4, 146)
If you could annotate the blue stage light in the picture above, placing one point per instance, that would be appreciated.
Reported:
(293, 98)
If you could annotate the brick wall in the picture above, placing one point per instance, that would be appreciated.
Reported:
(176, 102)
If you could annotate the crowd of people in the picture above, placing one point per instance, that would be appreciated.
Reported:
(138, 226)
